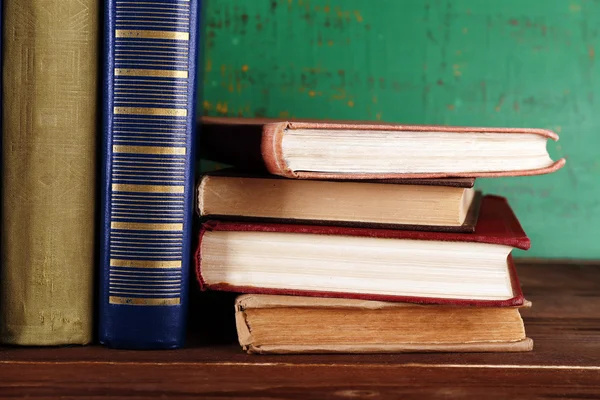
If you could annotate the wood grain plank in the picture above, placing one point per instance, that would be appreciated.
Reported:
(564, 323)
(275, 381)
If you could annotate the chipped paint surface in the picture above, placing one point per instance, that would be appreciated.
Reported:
(463, 62)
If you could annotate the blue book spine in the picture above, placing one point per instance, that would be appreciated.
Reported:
(149, 107)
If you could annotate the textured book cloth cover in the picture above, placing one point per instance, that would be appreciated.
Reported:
(50, 79)
(497, 224)
(258, 144)
(467, 226)
(250, 301)
(149, 107)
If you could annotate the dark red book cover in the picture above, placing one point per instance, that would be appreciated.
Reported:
(497, 224)
(256, 144)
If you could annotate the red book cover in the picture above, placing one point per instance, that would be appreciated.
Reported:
(257, 144)
(497, 224)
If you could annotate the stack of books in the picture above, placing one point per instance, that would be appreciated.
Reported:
(365, 237)
(345, 236)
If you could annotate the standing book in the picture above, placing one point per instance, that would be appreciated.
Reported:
(150, 67)
(50, 53)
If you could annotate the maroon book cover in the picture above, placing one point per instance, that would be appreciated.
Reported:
(257, 144)
(497, 224)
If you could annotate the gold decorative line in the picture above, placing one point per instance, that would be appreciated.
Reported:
(146, 257)
(141, 120)
(154, 48)
(153, 26)
(135, 301)
(140, 226)
(157, 150)
(123, 187)
(166, 196)
(157, 83)
(159, 272)
(138, 139)
(115, 262)
(150, 102)
(148, 160)
(153, 63)
(168, 237)
(164, 112)
(157, 73)
(143, 34)
(141, 180)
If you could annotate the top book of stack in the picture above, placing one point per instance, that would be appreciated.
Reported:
(357, 150)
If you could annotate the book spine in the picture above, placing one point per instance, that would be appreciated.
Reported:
(149, 108)
(49, 87)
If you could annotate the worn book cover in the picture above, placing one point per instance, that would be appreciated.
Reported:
(268, 324)
(497, 225)
(450, 205)
(266, 144)
(147, 183)
(50, 81)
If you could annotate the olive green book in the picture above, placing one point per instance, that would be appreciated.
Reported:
(50, 78)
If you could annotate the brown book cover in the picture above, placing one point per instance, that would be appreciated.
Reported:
(269, 324)
(497, 225)
(243, 203)
(257, 144)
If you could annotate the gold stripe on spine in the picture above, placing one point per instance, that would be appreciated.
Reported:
(159, 150)
(120, 187)
(145, 34)
(115, 262)
(135, 301)
(152, 73)
(141, 226)
(163, 112)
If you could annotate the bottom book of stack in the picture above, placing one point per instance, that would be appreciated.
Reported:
(318, 289)
(296, 324)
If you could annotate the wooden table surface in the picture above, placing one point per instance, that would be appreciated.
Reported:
(564, 324)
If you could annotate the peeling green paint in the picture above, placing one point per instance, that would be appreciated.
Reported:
(461, 62)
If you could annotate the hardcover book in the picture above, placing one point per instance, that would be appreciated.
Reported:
(49, 96)
(291, 324)
(150, 71)
(367, 150)
(371, 264)
(425, 204)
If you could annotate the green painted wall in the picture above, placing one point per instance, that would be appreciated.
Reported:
(529, 63)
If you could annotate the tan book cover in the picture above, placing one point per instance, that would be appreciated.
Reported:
(268, 324)
(49, 152)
